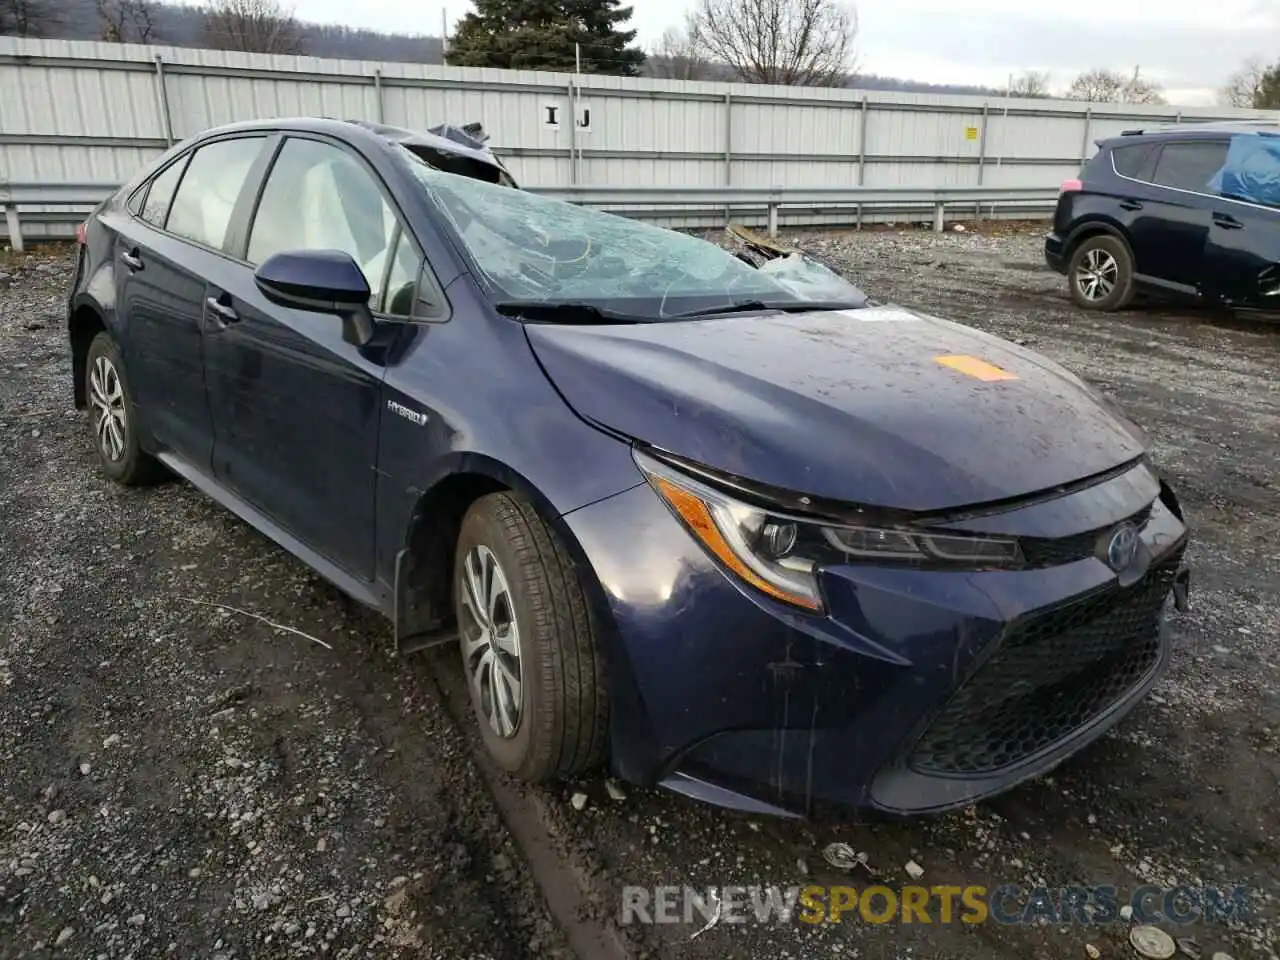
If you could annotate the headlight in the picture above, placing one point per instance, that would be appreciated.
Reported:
(780, 554)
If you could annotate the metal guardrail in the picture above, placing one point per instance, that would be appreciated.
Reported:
(774, 198)
(82, 196)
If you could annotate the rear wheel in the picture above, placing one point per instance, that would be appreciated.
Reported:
(1101, 274)
(532, 664)
(114, 418)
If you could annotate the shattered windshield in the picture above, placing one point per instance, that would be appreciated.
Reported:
(533, 250)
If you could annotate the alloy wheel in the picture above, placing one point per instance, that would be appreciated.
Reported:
(1097, 274)
(110, 418)
(491, 641)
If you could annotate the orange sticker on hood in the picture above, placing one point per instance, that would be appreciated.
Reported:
(976, 368)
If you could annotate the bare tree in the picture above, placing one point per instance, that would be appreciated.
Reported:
(1110, 86)
(255, 26)
(26, 18)
(794, 42)
(1030, 84)
(126, 21)
(1245, 87)
(675, 55)
(1097, 86)
(1138, 89)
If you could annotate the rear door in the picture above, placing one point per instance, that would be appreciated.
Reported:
(1171, 228)
(1136, 203)
(296, 408)
(162, 257)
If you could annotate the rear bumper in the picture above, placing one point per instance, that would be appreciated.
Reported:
(1055, 248)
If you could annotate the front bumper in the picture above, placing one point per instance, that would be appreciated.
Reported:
(918, 692)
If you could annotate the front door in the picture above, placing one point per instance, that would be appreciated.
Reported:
(1243, 253)
(296, 409)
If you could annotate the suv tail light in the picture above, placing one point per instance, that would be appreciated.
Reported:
(80, 231)
(1072, 186)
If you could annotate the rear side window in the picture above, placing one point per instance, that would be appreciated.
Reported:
(208, 192)
(1135, 162)
(160, 194)
(1190, 166)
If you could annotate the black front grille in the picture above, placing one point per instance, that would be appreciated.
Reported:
(1046, 552)
(1051, 674)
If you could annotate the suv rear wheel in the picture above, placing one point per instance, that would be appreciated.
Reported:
(1101, 274)
(532, 663)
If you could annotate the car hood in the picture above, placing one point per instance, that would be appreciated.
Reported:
(852, 405)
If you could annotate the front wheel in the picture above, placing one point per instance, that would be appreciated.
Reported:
(1101, 274)
(529, 651)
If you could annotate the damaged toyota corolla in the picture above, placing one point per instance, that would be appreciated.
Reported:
(725, 526)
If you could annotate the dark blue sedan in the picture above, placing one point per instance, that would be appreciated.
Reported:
(726, 526)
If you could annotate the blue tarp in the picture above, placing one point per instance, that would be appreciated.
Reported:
(1252, 170)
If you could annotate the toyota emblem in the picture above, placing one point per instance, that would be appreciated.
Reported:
(1123, 546)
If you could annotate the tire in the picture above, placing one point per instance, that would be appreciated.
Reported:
(113, 418)
(560, 720)
(1100, 274)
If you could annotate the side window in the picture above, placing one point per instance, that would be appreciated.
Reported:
(402, 280)
(1190, 165)
(208, 192)
(1135, 162)
(159, 195)
(1252, 170)
(319, 197)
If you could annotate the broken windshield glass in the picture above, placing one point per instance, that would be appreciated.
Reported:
(531, 248)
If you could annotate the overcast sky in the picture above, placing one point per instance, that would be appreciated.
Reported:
(1190, 46)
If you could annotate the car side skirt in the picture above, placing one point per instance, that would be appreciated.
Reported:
(371, 595)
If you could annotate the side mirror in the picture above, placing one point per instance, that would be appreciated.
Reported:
(322, 281)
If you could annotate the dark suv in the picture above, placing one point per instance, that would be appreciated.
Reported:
(1188, 211)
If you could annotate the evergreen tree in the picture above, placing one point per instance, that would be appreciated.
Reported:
(1267, 94)
(542, 34)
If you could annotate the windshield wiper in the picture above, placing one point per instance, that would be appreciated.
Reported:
(788, 306)
(565, 311)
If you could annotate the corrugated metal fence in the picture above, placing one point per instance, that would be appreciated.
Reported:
(84, 112)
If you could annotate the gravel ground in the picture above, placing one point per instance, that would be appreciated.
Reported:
(180, 778)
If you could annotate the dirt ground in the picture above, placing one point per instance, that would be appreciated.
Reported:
(181, 780)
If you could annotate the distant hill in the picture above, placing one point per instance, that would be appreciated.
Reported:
(870, 81)
(183, 26)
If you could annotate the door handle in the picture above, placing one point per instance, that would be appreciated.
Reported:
(1130, 205)
(131, 259)
(1226, 221)
(223, 312)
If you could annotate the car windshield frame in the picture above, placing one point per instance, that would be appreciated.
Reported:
(526, 248)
